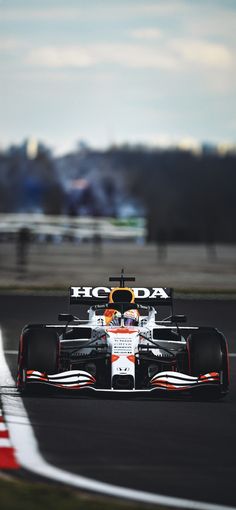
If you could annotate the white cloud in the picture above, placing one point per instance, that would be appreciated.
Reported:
(174, 55)
(134, 56)
(148, 34)
(183, 52)
(202, 52)
(163, 141)
(9, 43)
(127, 55)
(188, 143)
(60, 57)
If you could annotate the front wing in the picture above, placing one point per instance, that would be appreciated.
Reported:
(168, 381)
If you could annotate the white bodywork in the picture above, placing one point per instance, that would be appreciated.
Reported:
(124, 346)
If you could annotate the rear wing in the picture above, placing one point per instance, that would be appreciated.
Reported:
(150, 296)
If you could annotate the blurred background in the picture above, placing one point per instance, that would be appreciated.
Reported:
(118, 143)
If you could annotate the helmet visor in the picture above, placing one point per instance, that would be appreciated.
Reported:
(130, 322)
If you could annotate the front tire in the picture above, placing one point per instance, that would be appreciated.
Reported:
(39, 350)
(207, 351)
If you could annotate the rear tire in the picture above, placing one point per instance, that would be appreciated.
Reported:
(39, 350)
(208, 353)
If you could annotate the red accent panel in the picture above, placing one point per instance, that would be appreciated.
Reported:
(127, 331)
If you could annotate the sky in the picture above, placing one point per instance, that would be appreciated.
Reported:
(116, 71)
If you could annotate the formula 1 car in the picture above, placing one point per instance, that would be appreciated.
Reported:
(123, 348)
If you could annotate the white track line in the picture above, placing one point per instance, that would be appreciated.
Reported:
(29, 456)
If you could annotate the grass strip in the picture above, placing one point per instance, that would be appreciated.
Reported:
(22, 495)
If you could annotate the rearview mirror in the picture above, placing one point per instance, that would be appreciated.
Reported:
(66, 317)
(179, 318)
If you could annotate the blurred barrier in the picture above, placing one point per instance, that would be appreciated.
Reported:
(75, 229)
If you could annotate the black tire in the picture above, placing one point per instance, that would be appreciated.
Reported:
(208, 353)
(42, 347)
(39, 350)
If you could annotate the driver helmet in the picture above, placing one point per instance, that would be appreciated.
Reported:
(131, 318)
(116, 317)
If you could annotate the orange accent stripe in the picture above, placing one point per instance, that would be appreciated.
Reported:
(211, 375)
(123, 330)
(131, 357)
(114, 357)
(171, 387)
(109, 312)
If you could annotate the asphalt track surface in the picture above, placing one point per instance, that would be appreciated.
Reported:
(178, 448)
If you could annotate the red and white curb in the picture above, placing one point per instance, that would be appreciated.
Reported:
(7, 452)
(27, 455)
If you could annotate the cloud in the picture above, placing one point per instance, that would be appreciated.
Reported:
(134, 56)
(9, 43)
(31, 14)
(60, 57)
(173, 55)
(94, 10)
(220, 23)
(202, 52)
(148, 34)
(126, 55)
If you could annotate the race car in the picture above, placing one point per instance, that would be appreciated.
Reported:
(122, 347)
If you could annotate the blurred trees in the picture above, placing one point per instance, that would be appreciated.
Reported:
(29, 185)
(186, 197)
